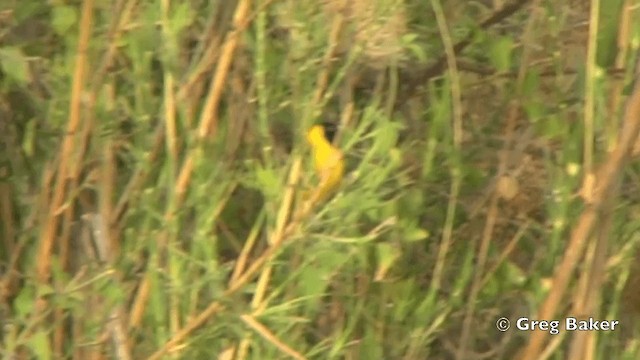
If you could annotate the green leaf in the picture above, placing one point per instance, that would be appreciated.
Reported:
(24, 302)
(554, 127)
(531, 82)
(39, 343)
(387, 137)
(395, 155)
(182, 17)
(45, 289)
(28, 144)
(415, 234)
(501, 53)
(513, 274)
(409, 41)
(535, 110)
(268, 181)
(14, 64)
(64, 18)
(318, 272)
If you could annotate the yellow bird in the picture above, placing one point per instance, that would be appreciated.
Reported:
(328, 162)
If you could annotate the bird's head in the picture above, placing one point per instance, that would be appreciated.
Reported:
(316, 135)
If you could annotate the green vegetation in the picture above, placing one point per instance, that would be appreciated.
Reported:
(153, 164)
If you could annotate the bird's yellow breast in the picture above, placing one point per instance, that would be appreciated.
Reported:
(327, 159)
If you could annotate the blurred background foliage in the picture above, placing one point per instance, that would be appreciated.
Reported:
(153, 162)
